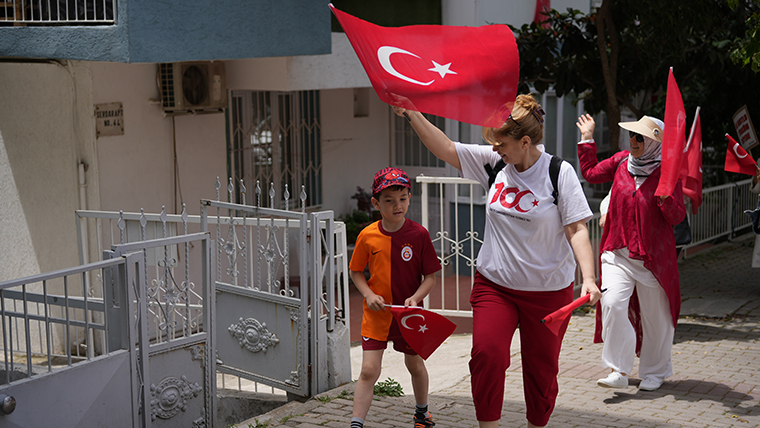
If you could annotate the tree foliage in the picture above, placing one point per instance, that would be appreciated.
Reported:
(747, 50)
(627, 66)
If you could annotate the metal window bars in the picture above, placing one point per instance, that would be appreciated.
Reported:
(68, 12)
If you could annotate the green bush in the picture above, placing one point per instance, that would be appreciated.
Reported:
(389, 388)
(355, 222)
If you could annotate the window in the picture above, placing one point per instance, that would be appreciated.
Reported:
(275, 140)
(68, 12)
(413, 157)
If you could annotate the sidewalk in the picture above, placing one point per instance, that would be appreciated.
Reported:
(716, 359)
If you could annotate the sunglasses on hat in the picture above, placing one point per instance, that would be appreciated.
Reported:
(639, 137)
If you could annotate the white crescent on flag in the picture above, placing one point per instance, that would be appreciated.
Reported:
(384, 56)
(736, 152)
(422, 327)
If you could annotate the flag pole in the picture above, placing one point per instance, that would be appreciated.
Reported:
(691, 134)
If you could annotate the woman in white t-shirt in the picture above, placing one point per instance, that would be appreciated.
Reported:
(526, 265)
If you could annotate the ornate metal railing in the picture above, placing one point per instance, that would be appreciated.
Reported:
(58, 12)
(459, 234)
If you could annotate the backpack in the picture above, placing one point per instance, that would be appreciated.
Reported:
(554, 165)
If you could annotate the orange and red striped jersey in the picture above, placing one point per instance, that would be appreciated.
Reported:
(397, 263)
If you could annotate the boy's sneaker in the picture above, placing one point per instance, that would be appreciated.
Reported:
(423, 421)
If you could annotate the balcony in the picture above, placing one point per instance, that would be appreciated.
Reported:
(61, 12)
(149, 31)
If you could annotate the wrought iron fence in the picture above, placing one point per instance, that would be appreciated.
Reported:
(68, 12)
(246, 253)
(55, 320)
(458, 237)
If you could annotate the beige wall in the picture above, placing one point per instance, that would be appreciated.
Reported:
(47, 127)
(353, 149)
(44, 109)
(138, 168)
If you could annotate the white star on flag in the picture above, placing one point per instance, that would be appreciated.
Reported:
(423, 328)
(443, 70)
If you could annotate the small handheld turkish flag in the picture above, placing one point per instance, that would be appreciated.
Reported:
(555, 319)
(469, 74)
(423, 330)
(738, 160)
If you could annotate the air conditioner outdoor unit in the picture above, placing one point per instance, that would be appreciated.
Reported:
(192, 87)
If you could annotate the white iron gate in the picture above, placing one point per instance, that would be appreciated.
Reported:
(141, 335)
(58, 368)
(175, 378)
(276, 292)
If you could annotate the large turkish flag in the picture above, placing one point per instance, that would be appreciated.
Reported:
(468, 74)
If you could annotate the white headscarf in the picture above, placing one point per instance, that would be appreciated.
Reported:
(645, 164)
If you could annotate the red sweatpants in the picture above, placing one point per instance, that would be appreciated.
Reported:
(497, 311)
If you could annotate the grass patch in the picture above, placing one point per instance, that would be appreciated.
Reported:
(388, 388)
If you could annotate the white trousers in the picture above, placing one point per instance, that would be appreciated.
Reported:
(620, 276)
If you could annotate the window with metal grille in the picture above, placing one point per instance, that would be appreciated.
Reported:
(63, 12)
(275, 140)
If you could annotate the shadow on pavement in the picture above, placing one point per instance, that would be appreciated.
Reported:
(693, 390)
(688, 331)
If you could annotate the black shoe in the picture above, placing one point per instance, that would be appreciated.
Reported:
(423, 421)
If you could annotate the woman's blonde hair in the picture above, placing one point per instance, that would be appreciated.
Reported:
(527, 118)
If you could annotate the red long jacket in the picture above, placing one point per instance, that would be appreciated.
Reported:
(638, 221)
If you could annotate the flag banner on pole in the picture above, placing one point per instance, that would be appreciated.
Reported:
(555, 319)
(691, 169)
(738, 160)
(673, 139)
(468, 74)
(423, 330)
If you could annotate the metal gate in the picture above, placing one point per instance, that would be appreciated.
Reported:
(141, 335)
(275, 291)
(88, 384)
(175, 380)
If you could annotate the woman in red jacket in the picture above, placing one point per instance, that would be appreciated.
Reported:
(639, 310)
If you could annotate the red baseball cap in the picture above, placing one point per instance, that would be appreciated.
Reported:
(388, 177)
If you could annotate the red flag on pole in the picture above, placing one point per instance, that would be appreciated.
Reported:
(468, 74)
(738, 160)
(423, 330)
(673, 139)
(539, 18)
(555, 319)
(691, 169)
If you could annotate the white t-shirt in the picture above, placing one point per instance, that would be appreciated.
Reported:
(524, 246)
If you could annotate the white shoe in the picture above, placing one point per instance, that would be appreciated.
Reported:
(614, 380)
(650, 383)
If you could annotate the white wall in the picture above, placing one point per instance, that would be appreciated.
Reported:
(340, 69)
(353, 149)
(47, 127)
(516, 13)
(138, 169)
(42, 138)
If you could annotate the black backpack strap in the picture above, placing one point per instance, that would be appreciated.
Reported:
(493, 170)
(554, 166)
